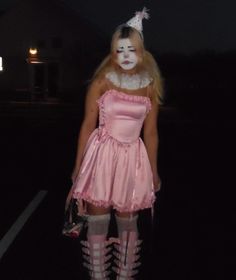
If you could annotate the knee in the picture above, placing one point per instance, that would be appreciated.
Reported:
(95, 210)
(126, 214)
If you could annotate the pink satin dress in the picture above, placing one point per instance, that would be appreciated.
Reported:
(115, 170)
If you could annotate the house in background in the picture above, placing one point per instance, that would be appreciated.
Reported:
(47, 51)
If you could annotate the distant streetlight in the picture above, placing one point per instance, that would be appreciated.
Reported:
(33, 56)
(33, 51)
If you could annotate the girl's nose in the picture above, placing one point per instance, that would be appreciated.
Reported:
(126, 54)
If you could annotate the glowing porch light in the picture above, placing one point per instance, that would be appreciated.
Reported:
(1, 67)
(33, 51)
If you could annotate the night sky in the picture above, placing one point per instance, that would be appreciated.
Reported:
(184, 26)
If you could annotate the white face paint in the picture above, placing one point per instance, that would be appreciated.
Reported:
(126, 54)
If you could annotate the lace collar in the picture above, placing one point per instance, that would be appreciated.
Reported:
(135, 81)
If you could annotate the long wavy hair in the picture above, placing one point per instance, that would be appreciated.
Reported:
(146, 61)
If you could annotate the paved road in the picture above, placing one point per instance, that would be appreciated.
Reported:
(37, 153)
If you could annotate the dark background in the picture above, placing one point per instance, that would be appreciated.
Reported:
(192, 237)
(177, 26)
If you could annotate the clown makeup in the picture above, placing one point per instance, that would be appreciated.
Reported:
(127, 57)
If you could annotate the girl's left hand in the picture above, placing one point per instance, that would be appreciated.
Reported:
(156, 182)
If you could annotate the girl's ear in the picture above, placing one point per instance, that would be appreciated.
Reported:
(140, 59)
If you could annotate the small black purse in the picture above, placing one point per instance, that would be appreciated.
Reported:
(75, 218)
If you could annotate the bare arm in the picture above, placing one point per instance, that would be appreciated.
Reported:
(151, 141)
(89, 122)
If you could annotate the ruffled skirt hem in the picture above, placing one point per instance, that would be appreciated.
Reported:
(105, 204)
(115, 174)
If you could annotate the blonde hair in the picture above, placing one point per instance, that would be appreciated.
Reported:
(146, 62)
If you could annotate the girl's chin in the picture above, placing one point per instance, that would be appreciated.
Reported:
(128, 70)
(134, 69)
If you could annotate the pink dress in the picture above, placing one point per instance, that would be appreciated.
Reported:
(115, 170)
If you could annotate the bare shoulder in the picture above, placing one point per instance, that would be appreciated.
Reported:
(151, 93)
(97, 86)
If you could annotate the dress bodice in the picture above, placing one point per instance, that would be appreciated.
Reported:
(121, 115)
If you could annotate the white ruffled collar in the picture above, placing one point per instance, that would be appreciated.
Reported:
(132, 82)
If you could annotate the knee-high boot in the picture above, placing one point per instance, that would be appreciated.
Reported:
(95, 248)
(126, 253)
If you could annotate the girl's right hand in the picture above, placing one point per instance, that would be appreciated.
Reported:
(69, 196)
(74, 175)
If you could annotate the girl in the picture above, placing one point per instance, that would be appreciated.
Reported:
(114, 168)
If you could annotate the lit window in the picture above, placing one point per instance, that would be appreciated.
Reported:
(1, 67)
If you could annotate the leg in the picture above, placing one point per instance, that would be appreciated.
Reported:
(95, 210)
(98, 220)
(95, 247)
(128, 248)
(126, 221)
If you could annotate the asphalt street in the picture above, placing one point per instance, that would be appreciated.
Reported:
(38, 144)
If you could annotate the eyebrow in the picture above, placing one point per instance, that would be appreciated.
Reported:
(129, 47)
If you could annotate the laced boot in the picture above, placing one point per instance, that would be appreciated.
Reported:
(95, 254)
(126, 256)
